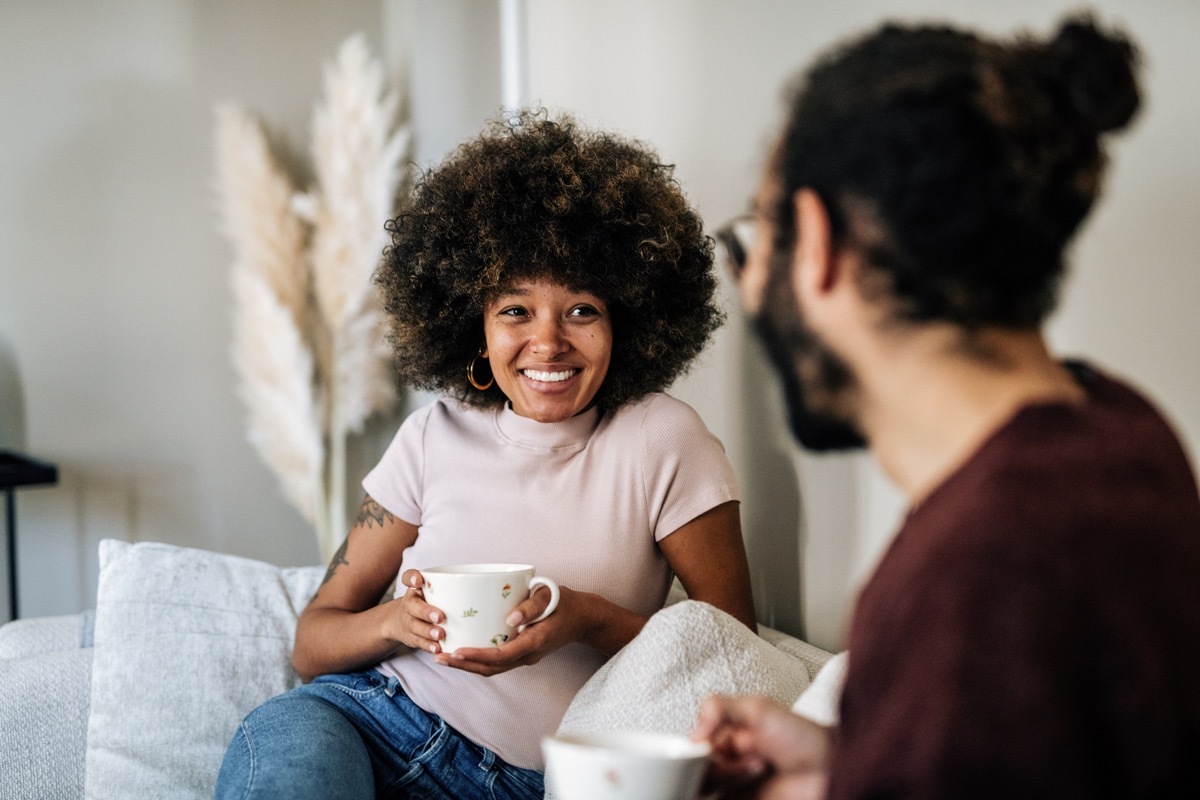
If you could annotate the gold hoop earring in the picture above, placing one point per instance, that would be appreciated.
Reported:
(483, 387)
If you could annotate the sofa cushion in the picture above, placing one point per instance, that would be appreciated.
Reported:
(28, 637)
(44, 697)
(187, 642)
(685, 652)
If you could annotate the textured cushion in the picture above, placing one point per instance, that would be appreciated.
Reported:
(812, 657)
(686, 652)
(44, 697)
(187, 642)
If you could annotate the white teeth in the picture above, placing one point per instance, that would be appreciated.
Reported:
(548, 377)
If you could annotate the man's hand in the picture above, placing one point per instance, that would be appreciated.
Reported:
(762, 750)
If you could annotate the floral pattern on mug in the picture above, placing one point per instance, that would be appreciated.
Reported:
(613, 778)
(506, 591)
(470, 612)
(499, 639)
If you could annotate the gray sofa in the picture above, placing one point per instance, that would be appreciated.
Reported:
(137, 698)
(45, 690)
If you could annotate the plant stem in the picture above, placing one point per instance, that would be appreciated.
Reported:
(336, 491)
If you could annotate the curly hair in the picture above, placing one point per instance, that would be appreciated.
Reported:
(540, 198)
(959, 167)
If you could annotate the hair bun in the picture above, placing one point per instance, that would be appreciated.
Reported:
(1096, 70)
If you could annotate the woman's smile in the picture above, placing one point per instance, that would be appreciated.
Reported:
(549, 377)
(549, 347)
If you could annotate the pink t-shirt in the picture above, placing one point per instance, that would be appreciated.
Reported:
(585, 501)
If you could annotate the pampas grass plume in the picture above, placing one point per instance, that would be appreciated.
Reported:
(269, 279)
(308, 346)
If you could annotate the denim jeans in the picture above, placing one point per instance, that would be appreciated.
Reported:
(360, 736)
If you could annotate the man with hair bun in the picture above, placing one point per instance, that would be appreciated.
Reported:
(1033, 630)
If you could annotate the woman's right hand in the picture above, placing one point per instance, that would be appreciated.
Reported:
(417, 620)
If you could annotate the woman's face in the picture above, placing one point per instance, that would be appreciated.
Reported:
(549, 348)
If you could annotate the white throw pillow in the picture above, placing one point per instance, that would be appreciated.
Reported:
(187, 642)
(686, 652)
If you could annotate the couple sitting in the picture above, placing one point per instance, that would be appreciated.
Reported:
(1033, 630)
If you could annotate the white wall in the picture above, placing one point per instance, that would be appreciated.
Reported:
(114, 306)
(114, 320)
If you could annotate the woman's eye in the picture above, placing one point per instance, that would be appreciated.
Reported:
(514, 311)
(584, 311)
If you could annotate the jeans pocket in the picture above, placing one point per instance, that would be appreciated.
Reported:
(427, 760)
(428, 750)
(523, 782)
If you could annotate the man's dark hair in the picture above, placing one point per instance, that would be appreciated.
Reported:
(959, 167)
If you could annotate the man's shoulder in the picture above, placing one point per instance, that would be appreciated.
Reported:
(1059, 478)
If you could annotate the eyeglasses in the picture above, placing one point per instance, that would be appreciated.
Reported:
(738, 237)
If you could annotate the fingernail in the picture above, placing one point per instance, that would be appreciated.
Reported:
(435, 617)
(433, 648)
(514, 619)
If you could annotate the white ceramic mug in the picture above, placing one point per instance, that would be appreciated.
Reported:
(477, 599)
(624, 766)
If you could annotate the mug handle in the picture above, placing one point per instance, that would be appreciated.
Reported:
(550, 584)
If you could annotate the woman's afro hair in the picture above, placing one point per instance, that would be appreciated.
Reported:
(541, 198)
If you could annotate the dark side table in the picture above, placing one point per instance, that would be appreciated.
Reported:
(17, 470)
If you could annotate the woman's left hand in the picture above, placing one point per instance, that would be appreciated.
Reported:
(578, 614)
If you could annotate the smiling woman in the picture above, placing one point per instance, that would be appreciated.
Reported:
(549, 282)
(549, 348)
(537, 198)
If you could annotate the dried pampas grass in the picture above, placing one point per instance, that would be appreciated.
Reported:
(308, 343)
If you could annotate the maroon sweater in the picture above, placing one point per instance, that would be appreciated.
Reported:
(1034, 629)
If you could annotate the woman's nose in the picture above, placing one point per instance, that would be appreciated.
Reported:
(549, 338)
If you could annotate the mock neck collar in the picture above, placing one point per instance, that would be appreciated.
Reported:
(573, 432)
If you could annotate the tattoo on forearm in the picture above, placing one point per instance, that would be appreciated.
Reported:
(338, 559)
(371, 512)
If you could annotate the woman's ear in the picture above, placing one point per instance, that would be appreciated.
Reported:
(813, 266)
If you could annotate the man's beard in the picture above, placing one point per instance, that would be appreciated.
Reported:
(790, 343)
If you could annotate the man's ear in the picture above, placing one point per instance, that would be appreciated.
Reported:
(814, 268)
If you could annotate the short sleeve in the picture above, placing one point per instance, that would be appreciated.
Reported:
(685, 469)
(397, 481)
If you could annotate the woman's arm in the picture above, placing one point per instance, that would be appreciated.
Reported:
(345, 627)
(709, 558)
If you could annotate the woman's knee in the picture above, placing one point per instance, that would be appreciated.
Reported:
(298, 746)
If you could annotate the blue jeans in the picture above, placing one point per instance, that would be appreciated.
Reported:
(360, 736)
